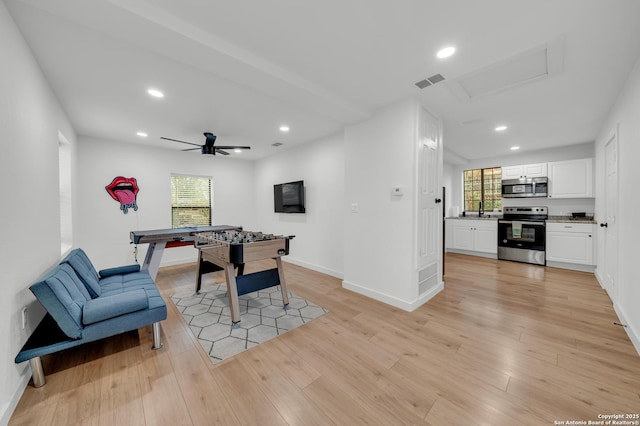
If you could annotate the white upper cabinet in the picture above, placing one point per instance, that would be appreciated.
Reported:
(525, 171)
(571, 179)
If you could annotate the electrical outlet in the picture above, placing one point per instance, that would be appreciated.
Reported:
(24, 317)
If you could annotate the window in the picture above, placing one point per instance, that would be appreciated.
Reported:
(483, 185)
(190, 201)
(64, 182)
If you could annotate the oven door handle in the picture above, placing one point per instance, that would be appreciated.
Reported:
(523, 222)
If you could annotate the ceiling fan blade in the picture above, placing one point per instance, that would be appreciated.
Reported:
(191, 149)
(219, 151)
(233, 147)
(176, 140)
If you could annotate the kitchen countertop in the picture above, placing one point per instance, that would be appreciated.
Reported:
(551, 219)
(474, 218)
(569, 219)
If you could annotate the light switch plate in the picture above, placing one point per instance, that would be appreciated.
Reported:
(397, 191)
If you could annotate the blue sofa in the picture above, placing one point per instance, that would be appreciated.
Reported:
(84, 305)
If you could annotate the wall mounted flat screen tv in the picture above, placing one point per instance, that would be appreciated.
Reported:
(289, 197)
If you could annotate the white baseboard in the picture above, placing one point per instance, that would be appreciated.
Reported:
(294, 261)
(599, 277)
(313, 267)
(178, 262)
(5, 415)
(473, 253)
(602, 282)
(428, 295)
(633, 334)
(572, 266)
(408, 306)
(9, 407)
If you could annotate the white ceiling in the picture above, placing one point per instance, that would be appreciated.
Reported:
(242, 68)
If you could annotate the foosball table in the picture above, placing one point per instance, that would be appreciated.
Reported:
(159, 239)
(230, 249)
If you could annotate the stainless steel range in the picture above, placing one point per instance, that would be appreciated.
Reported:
(522, 234)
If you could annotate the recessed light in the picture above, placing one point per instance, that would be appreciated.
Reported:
(514, 148)
(446, 52)
(501, 128)
(284, 128)
(142, 134)
(237, 150)
(155, 93)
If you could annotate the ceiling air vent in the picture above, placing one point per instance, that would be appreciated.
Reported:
(277, 144)
(429, 81)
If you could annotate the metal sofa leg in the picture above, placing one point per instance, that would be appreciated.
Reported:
(37, 372)
(157, 341)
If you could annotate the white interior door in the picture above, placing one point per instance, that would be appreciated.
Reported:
(611, 211)
(429, 216)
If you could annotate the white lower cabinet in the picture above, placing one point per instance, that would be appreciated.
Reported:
(472, 235)
(570, 243)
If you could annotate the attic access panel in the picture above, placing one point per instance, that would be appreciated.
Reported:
(538, 63)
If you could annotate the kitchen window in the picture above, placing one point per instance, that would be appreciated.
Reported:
(483, 185)
(190, 201)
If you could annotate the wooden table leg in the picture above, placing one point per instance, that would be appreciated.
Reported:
(232, 290)
(283, 284)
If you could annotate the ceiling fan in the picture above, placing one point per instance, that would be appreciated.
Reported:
(208, 147)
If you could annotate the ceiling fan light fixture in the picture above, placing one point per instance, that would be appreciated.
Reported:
(237, 150)
(208, 149)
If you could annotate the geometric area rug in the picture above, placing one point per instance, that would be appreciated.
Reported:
(262, 317)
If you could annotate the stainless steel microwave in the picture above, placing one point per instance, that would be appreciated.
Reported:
(525, 187)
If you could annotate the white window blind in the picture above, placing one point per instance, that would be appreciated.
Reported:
(190, 201)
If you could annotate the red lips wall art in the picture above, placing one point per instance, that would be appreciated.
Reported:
(124, 190)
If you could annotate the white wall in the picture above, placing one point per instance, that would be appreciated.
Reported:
(103, 230)
(379, 238)
(318, 242)
(30, 118)
(448, 171)
(625, 113)
(556, 206)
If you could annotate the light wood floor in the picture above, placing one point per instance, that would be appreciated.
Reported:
(503, 344)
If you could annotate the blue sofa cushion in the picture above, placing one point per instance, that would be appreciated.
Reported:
(119, 270)
(106, 307)
(63, 295)
(136, 280)
(86, 271)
